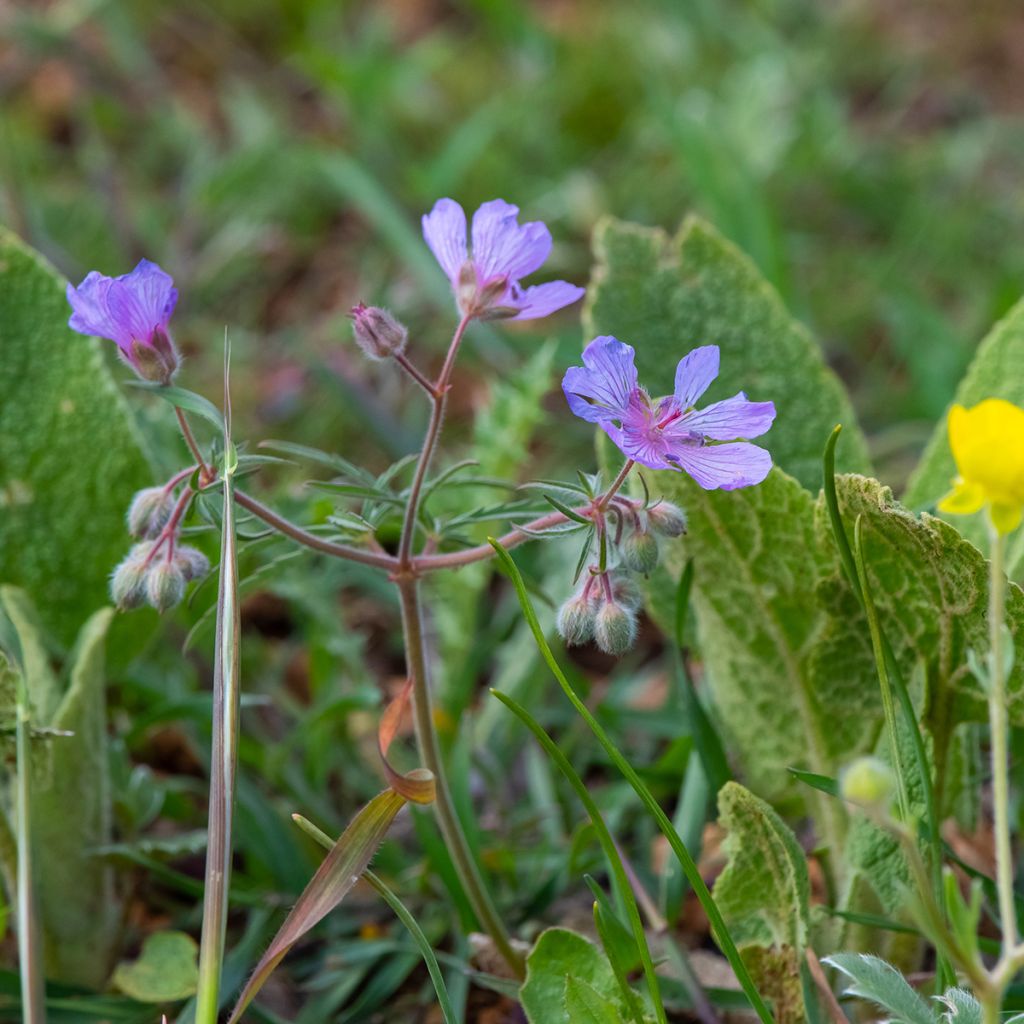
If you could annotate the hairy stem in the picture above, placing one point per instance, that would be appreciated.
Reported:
(999, 727)
(190, 438)
(430, 752)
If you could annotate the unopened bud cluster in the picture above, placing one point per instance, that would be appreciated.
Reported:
(158, 568)
(604, 609)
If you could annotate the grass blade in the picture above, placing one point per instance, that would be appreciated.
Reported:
(403, 914)
(224, 756)
(693, 876)
(348, 859)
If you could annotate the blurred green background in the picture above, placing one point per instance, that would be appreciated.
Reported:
(276, 157)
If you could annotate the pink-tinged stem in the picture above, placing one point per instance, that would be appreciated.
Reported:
(178, 477)
(190, 439)
(404, 362)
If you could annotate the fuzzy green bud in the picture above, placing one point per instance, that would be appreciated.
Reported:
(626, 591)
(192, 562)
(667, 519)
(128, 580)
(639, 552)
(165, 585)
(149, 511)
(576, 620)
(868, 782)
(615, 628)
(377, 332)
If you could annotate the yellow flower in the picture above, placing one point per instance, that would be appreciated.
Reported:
(988, 446)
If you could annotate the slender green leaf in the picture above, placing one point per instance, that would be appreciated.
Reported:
(180, 398)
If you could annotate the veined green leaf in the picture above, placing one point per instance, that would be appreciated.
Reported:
(180, 398)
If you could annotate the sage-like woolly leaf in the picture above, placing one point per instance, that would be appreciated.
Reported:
(960, 1007)
(164, 972)
(761, 620)
(188, 401)
(332, 882)
(995, 372)
(558, 955)
(763, 894)
(78, 908)
(665, 296)
(875, 980)
(69, 455)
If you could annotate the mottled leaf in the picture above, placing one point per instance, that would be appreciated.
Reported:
(665, 296)
(69, 458)
(164, 972)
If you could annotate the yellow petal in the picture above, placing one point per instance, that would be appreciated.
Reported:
(988, 446)
(965, 498)
(1006, 518)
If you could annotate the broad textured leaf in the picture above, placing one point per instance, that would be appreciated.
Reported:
(763, 894)
(931, 590)
(558, 955)
(332, 882)
(760, 616)
(585, 1005)
(997, 371)
(164, 972)
(71, 817)
(69, 459)
(665, 296)
(874, 979)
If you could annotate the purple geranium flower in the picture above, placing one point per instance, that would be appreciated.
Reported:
(486, 283)
(133, 311)
(669, 433)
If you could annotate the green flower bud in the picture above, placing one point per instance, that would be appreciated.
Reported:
(128, 580)
(868, 782)
(193, 563)
(576, 620)
(626, 591)
(667, 519)
(639, 552)
(165, 585)
(615, 628)
(149, 511)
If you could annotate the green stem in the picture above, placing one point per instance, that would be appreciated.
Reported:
(33, 1001)
(430, 752)
(999, 726)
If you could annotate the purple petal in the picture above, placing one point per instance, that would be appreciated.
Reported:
(142, 301)
(545, 299)
(732, 418)
(444, 229)
(725, 466)
(695, 373)
(600, 390)
(90, 313)
(502, 247)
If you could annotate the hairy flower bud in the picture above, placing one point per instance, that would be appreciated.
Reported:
(667, 519)
(192, 562)
(626, 592)
(639, 552)
(128, 580)
(615, 628)
(165, 585)
(576, 620)
(149, 511)
(868, 782)
(377, 332)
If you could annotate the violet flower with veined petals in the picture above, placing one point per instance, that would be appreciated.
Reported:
(133, 311)
(486, 282)
(670, 433)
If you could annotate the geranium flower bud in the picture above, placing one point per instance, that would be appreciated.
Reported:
(165, 585)
(192, 562)
(626, 592)
(149, 511)
(615, 628)
(576, 620)
(128, 580)
(639, 552)
(667, 519)
(377, 332)
(868, 782)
